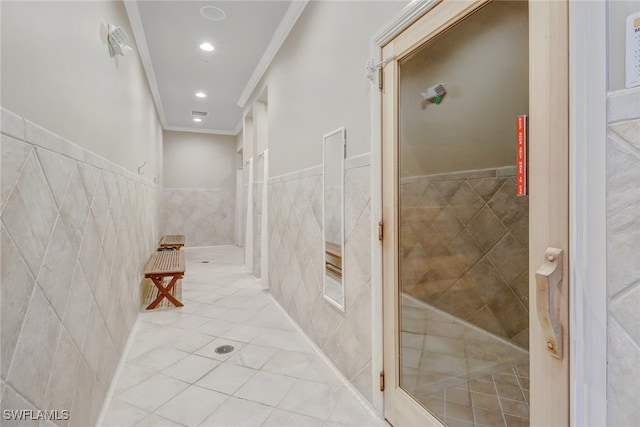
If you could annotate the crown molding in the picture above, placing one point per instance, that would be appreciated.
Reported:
(198, 130)
(238, 128)
(279, 36)
(138, 33)
(407, 16)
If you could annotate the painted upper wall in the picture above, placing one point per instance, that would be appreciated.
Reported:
(56, 72)
(198, 160)
(483, 64)
(618, 11)
(317, 81)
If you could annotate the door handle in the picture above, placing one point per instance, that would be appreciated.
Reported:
(548, 291)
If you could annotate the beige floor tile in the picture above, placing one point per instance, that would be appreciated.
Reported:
(174, 377)
(266, 388)
(153, 392)
(192, 406)
(191, 368)
(226, 378)
(238, 413)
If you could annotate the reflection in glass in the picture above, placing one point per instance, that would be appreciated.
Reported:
(333, 216)
(463, 234)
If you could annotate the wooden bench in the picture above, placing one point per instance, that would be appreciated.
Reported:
(174, 241)
(333, 258)
(161, 265)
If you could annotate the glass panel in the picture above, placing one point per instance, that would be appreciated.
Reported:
(333, 214)
(463, 252)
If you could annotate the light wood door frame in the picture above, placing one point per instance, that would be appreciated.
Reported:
(549, 198)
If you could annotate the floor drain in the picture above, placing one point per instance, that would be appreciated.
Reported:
(224, 349)
(204, 262)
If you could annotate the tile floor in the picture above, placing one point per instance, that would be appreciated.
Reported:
(462, 374)
(173, 376)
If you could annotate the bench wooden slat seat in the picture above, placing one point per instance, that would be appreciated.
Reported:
(175, 241)
(333, 258)
(163, 264)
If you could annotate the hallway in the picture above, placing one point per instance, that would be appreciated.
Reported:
(173, 376)
(407, 212)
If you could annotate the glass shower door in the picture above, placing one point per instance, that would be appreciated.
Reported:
(462, 236)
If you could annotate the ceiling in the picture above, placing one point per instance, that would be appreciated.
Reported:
(168, 35)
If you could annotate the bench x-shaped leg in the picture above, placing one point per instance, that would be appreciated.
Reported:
(164, 292)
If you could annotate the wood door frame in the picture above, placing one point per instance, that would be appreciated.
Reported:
(548, 61)
(549, 198)
(407, 16)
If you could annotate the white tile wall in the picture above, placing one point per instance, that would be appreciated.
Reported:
(623, 259)
(205, 216)
(257, 227)
(296, 265)
(75, 232)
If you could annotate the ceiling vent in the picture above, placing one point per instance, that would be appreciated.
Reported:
(199, 113)
(212, 13)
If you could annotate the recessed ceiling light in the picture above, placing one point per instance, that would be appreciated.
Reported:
(197, 119)
(201, 94)
(207, 47)
(213, 13)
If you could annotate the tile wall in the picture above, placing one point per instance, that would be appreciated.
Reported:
(623, 257)
(464, 239)
(333, 214)
(76, 232)
(296, 265)
(245, 206)
(257, 227)
(205, 216)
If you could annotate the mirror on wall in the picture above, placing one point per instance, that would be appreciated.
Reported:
(334, 144)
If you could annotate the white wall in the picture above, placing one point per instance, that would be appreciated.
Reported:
(623, 228)
(317, 81)
(68, 107)
(618, 11)
(198, 160)
(487, 101)
(200, 187)
(56, 72)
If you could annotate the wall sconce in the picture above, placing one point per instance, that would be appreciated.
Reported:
(118, 41)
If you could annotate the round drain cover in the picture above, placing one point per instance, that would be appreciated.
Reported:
(223, 349)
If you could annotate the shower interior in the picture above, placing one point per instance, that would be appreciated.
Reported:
(464, 292)
(463, 232)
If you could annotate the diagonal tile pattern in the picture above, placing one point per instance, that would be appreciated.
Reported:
(257, 227)
(296, 265)
(464, 240)
(172, 374)
(623, 263)
(68, 297)
(459, 372)
(205, 216)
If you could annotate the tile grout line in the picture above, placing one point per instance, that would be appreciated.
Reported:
(116, 375)
(347, 384)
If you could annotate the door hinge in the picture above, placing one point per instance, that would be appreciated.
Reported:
(380, 78)
(381, 380)
(380, 231)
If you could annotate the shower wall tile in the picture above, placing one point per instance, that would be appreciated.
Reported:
(257, 227)
(333, 214)
(296, 265)
(204, 216)
(464, 239)
(623, 258)
(75, 237)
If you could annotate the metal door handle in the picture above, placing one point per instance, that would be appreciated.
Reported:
(548, 289)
